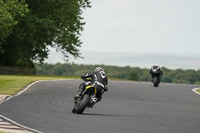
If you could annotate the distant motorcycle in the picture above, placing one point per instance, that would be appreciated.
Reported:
(156, 77)
(86, 99)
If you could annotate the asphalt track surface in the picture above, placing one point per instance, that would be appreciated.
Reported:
(128, 107)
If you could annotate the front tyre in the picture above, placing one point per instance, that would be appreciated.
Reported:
(84, 103)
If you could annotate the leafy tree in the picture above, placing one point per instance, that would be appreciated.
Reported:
(49, 23)
(167, 79)
(9, 11)
(145, 75)
(133, 76)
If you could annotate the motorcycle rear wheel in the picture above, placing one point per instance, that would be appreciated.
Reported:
(84, 103)
(155, 82)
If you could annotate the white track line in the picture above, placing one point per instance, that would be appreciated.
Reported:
(28, 88)
(20, 91)
(195, 90)
(14, 126)
(15, 123)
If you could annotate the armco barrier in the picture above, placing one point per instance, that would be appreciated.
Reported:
(4, 70)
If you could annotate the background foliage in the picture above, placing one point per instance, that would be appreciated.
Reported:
(29, 27)
(126, 72)
(9, 11)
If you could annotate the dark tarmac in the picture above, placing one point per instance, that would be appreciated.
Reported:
(127, 107)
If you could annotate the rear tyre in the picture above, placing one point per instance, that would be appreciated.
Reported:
(83, 104)
(155, 82)
(73, 110)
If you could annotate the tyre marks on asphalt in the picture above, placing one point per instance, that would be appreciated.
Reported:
(9, 126)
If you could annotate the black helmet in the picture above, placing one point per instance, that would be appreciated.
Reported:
(99, 69)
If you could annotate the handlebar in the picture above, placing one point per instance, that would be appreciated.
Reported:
(86, 79)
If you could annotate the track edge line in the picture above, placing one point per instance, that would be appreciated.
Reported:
(195, 90)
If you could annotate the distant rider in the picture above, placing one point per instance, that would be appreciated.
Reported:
(158, 69)
(98, 80)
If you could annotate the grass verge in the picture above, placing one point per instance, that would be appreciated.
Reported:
(10, 85)
(198, 90)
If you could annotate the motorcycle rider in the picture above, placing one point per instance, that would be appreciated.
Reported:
(159, 70)
(98, 79)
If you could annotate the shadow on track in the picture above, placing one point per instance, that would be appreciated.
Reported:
(100, 114)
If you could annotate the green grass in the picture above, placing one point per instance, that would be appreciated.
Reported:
(198, 90)
(10, 85)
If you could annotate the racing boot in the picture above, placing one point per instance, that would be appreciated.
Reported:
(78, 94)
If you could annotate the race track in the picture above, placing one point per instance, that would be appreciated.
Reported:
(128, 107)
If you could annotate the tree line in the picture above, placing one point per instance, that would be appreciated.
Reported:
(116, 72)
